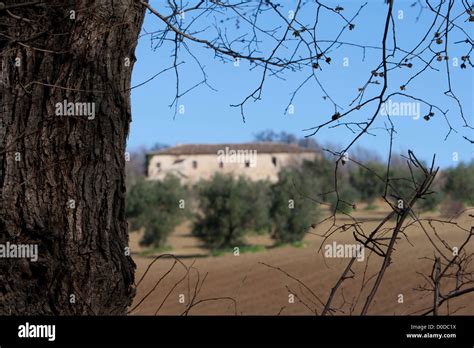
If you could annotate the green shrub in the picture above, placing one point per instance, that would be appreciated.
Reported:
(401, 180)
(321, 170)
(228, 208)
(431, 201)
(155, 206)
(348, 196)
(368, 181)
(292, 212)
(460, 183)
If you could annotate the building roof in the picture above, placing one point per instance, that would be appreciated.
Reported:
(202, 149)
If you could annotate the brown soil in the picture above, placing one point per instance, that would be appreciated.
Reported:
(261, 290)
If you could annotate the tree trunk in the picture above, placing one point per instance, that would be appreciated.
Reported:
(62, 170)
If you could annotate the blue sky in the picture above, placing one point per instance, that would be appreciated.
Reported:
(209, 118)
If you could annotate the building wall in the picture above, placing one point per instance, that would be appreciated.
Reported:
(208, 164)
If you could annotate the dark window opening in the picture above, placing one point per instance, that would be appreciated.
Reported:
(195, 164)
(274, 161)
(158, 165)
(221, 164)
(247, 164)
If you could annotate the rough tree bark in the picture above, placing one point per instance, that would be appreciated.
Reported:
(62, 177)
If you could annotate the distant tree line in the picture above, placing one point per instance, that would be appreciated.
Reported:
(225, 209)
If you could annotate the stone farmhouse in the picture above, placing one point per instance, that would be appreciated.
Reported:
(256, 161)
